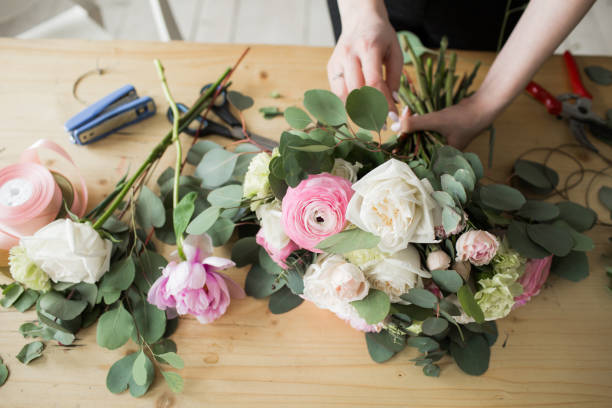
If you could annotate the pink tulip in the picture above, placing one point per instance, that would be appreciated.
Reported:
(536, 273)
(316, 209)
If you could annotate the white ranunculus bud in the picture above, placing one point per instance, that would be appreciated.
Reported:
(69, 251)
(438, 260)
(256, 182)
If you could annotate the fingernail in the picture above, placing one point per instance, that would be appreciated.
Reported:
(395, 96)
(395, 127)
(393, 116)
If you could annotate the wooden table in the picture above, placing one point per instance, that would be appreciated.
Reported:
(558, 350)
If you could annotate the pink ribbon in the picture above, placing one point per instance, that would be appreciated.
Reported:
(30, 198)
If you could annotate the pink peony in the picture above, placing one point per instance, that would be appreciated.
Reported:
(277, 255)
(536, 273)
(477, 246)
(195, 286)
(316, 209)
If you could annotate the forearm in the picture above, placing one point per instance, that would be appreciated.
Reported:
(352, 10)
(544, 24)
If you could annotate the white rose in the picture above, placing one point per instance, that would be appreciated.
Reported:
(396, 274)
(438, 260)
(256, 183)
(392, 203)
(69, 251)
(269, 216)
(332, 282)
(346, 170)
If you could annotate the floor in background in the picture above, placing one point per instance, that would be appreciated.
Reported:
(299, 22)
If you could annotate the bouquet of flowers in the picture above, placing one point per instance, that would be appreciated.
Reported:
(401, 239)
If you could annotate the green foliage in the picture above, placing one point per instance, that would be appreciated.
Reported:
(204, 221)
(348, 240)
(283, 301)
(120, 373)
(520, 241)
(469, 305)
(216, 167)
(297, 118)
(577, 216)
(260, 284)
(174, 381)
(574, 266)
(472, 357)
(270, 112)
(148, 268)
(150, 322)
(58, 306)
(539, 211)
(3, 373)
(422, 343)
(221, 231)
(172, 359)
(552, 238)
(150, 211)
(374, 307)
(418, 47)
(581, 241)
(245, 251)
(11, 293)
(501, 197)
(117, 279)
(433, 326)
(605, 196)
(454, 188)
(421, 297)
(240, 101)
(30, 351)
(194, 157)
(448, 280)
(114, 328)
(182, 213)
(325, 106)
(368, 108)
(140, 368)
(431, 370)
(535, 176)
(27, 299)
(599, 74)
(378, 352)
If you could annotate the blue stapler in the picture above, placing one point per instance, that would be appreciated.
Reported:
(111, 113)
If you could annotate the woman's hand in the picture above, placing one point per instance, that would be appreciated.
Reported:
(368, 41)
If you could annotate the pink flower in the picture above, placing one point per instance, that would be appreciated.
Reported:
(195, 286)
(433, 288)
(536, 273)
(316, 209)
(477, 246)
(277, 255)
(271, 236)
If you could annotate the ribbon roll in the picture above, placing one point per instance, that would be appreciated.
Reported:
(31, 196)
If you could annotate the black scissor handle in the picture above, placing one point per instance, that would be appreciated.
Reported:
(222, 109)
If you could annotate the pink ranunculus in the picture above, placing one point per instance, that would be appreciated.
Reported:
(315, 209)
(195, 286)
(277, 255)
(536, 273)
(477, 246)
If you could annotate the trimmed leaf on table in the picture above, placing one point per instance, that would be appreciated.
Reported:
(30, 351)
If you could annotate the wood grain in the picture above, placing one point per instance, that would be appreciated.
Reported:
(555, 352)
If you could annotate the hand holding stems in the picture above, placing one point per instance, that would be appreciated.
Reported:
(544, 24)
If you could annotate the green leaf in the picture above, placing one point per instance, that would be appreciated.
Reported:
(120, 373)
(469, 305)
(434, 325)
(283, 301)
(216, 167)
(114, 225)
(260, 284)
(114, 328)
(450, 219)
(448, 280)
(204, 221)
(183, 212)
(58, 306)
(243, 161)
(501, 197)
(26, 300)
(374, 307)
(164, 346)
(194, 156)
(421, 297)
(466, 178)
(150, 322)
(581, 241)
(443, 199)
(378, 352)
(312, 148)
(415, 42)
(325, 106)
(173, 359)
(221, 231)
(3, 373)
(413, 311)
(454, 188)
(348, 240)
(267, 263)
(520, 241)
(150, 265)
(150, 211)
(538, 176)
(599, 75)
(539, 211)
(431, 370)
(117, 279)
(226, 197)
(11, 293)
(139, 369)
(240, 101)
(474, 357)
(245, 251)
(368, 108)
(297, 118)
(605, 196)
(476, 164)
(574, 266)
(174, 381)
(422, 343)
(577, 216)
(553, 239)
(68, 326)
(270, 112)
(295, 281)
(30, 351)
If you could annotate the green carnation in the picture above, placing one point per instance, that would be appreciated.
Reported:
(416, 327)
(27, 272)
(507, 260)
(496, 296)
(365, 258)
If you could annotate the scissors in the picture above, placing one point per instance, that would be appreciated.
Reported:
(221, 108)
(575, 106)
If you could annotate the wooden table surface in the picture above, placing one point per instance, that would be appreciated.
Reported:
(558, 350)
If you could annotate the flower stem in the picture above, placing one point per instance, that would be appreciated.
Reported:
(159, 150)
(177, 144)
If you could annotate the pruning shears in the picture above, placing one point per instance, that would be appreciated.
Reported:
(574, 106)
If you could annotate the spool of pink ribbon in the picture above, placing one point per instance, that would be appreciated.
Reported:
(31, 195)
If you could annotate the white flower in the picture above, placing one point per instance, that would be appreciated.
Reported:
(269, 216)
(346, 170)
(392, 203)
(256, 183)
(332, 282)
(69, 251)
(397, 273)
(438, 260)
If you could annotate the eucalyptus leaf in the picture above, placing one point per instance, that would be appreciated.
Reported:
(226, 196)
(297, 118)
(539, 211)
(11, 293)
(204, 220)
(552, 238)
(605, 196)
(245, 251)
(476, 164)
(194, 156)
(58, 306)
(454, 188)
(221, 231)
(368, 108)
(325, 106)
(119, 375)
(118, 278)
(374, 307)
(216, 167)
(182, 213)
(520, 241)
(469, 305)
(3, 373)
(579, 217)
(573, 267)
(448, 280)
(501, 197)
(421, 297)
(260, 284)
(114, 328)
(538, 176)
(415, 42)
(378, 352)
(348, 240)
(174, 381)
(239, 100)
(139, 369)
(267, 263)
(312, 148)
(30, 351)
(473, 358)
(581, 241)
(283, 301)
(599, 74)
(173, 359)
(443, 199)
(150, 322)
(422, 343)
(434, 325)
(431, 370)
(466, 178)
(149, 268)
(26, 300)
(450, 219)
(150, 211)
